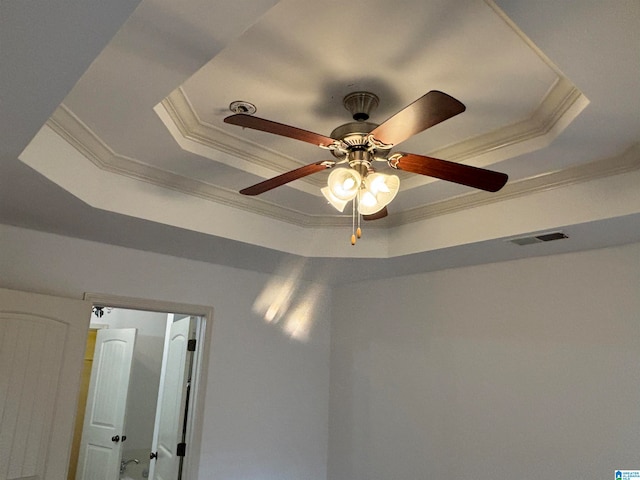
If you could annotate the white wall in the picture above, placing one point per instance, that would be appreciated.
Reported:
(524, 369)
(527, 369)
(266, 411)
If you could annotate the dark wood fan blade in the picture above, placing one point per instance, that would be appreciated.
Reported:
(376, 216)
(287, 177)
(255, 123)
(453, 172)
(429, 110)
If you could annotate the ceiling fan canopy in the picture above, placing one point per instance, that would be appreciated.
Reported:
(359, 144)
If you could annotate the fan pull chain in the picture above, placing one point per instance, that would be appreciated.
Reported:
(357, 212)
(353, 222)
(355, 232)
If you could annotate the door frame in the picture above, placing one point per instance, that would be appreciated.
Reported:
(200, 365)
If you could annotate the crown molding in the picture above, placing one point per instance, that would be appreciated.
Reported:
(549, 119)
(627, 162)
(202, 138)
(75, 132)
(562, 103)
(560, 106)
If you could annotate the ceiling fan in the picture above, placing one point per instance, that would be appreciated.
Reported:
(359, 144)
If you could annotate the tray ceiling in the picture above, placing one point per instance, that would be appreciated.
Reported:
(145, 121)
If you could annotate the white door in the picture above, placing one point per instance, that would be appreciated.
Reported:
(172, 397)
(42, 341)
(103, 430)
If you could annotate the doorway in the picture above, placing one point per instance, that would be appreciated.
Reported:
(145, 423)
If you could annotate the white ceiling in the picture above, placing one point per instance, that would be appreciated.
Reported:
(136, 153)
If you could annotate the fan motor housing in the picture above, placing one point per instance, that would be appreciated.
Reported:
(355, 135)
(353, 132)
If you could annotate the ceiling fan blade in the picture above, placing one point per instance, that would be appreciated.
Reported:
(429, 110)
(287, 177)
(453, 172)
(376, 216)
(255, 123)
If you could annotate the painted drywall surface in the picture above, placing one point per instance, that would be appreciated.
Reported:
(266, 412)
(528, 366)
(145, 372)
(522, 369)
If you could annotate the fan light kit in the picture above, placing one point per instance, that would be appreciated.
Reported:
(359, 144)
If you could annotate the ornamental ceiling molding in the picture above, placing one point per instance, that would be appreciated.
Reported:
(75, 132)
(201, 138)
(560, 106)
(626, 162)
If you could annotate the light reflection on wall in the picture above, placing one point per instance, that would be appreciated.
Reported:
(289, 302)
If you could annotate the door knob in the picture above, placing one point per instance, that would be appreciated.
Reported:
(115, 438)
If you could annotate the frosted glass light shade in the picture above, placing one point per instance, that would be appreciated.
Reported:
(380, 190)
(344, 183)
(368, 199)
(337, 203)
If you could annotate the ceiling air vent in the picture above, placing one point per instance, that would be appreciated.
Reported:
(543, 237)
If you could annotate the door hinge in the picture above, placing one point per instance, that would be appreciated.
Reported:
(191, 345)
(181, 450)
